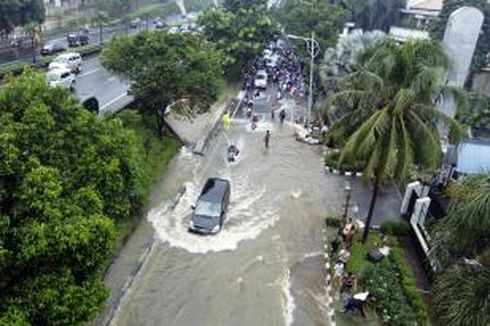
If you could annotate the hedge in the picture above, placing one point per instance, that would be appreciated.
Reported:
(409, 285)
(333, 221)
(396, 228)
(332, 160)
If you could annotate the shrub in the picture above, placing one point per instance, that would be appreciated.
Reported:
(334, 222)
(382, 281)
(409, 285)
(396, 228)
(332, 160)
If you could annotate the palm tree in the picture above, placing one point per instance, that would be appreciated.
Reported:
(461, 289)
(392, 124)
(465, 231)
(461, 293)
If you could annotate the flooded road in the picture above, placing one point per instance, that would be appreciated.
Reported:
(265, 266)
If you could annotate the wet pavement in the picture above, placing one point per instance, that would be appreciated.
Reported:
(264, 268)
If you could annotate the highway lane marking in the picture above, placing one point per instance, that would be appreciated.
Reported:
(113, 100)
(90, 72)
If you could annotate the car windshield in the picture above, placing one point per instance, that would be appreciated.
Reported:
(207, 209)
(260, 77)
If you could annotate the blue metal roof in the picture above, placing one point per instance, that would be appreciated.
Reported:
(474, 156)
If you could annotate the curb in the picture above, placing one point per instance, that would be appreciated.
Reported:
(328, 287)
(342, 172)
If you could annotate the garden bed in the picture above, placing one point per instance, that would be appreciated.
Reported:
(345, 168)
(398, 300)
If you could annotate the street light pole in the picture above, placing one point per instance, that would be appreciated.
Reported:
(312, 48)
(310, 95)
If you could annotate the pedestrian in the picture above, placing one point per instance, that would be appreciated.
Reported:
(267, 138)
(357, 302)
(282, 116)
(272, 113)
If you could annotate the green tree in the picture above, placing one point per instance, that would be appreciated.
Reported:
(301, 17)
(483, 46)
(15, 13)
(461, 289)
(392, 124)
(375, 14)
(65, 177)
(181, 70)
(236, 5)
(241, 35)
(115, 8)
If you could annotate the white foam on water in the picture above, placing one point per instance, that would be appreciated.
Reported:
(288, 304)
(296, 194)
(246, 219)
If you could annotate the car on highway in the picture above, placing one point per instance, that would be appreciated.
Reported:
(159, 25)
(211, 207)
(71, 61)
(260, 79)
(134, 23)
(77, 39)
(173, 30)
(53, 48)
(61, 77)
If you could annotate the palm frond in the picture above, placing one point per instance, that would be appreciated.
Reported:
(430, 146)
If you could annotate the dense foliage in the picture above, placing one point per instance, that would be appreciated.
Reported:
(179, 69)
(392, 120)
(461, 243)
(239, 35)
(115, 8)
(65, 177)
(301, 17)
(235, 5)
(483, 45)
(375, 14)
(478, 113)
(15, 13)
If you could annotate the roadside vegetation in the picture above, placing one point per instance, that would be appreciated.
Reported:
(70, 183)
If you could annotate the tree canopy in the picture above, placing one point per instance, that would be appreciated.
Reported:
(65, 177)
(461, 243)
(235, 5)
(15, 13)
(392, 124)
(239, 35)
(374, 14)
(483, 45)
(179, 69)
(301, 17)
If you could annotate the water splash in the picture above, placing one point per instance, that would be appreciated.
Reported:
(288, 300)
(247, 217)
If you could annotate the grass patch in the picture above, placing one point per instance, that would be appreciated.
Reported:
(358, 261)
(156, 155)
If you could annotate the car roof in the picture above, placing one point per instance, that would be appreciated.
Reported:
(68, 54)
(214, 189)
(59, 70)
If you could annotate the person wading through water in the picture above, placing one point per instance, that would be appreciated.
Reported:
(267, 138)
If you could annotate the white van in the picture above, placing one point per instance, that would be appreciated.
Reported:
(71, 60)
(61, 77)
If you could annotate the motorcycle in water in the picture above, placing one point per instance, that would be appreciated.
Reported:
(232, 153)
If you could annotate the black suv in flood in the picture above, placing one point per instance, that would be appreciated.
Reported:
(212, 204)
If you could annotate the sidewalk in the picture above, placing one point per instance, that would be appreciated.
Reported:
(195, 132)
(387, 207)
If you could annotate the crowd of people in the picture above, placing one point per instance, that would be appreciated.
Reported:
(342, 279)
(283, 71)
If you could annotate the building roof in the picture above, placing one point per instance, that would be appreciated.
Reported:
(473, 156)
(402, 34)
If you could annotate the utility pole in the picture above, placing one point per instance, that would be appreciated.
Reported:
(312, 47)
(310, 95)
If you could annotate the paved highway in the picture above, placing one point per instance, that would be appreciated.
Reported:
(94, 80)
